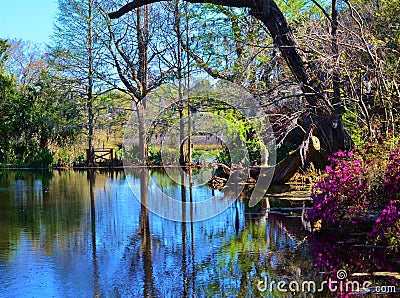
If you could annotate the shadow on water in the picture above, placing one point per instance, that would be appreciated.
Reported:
(69, 234)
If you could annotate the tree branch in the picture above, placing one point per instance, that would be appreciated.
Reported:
(138, 3)
(326, 14)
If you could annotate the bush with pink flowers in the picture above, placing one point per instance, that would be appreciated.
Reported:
(343, 194)
(361, 187)
(387, 225)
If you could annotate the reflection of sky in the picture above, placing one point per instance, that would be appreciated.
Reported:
(60, 256)
(165, 198)
(68, 266)
(169, 253)
(70, 262)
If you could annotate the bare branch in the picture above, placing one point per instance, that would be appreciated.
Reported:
(326, 14)
(138, 3)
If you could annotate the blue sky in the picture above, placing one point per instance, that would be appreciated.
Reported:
(27, 19)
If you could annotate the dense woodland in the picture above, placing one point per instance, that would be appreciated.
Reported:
(77, 92)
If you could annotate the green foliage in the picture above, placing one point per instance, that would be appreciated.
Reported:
(238, 124)
(239, 47)
(132, 154)
(388, 24)
(354, 127)
(42, 159)
(169, 154)
(224, 157)
(34, 116)
(230, 41)
(154, 154)
(205, 153)
(3, 53)
(298, 11)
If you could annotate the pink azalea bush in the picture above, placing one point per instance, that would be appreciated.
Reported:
(342, 194)
(358, 186)
(387, 225)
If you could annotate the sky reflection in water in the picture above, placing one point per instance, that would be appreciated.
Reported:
(72, 234)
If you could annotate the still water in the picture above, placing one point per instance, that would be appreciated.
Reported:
(81, 234)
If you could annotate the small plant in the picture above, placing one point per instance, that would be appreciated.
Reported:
(224, 157)
(154, 154)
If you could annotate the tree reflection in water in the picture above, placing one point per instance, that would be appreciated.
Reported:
(224, 255)
(72, 236)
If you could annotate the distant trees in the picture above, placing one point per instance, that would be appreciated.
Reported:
(35, 112)
(7, 90)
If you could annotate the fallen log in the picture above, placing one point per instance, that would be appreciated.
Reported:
(286, 168)
(289, 166)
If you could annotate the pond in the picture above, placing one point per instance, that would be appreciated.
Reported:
(85, 234)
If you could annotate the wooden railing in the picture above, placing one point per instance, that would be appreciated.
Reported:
(101, 155)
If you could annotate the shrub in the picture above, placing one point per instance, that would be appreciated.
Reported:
(387, 225)
(154, 154)
(225, 157)
(358, 185)
(43, 159)
(343, 193)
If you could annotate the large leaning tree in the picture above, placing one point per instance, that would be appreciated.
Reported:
(326, 109)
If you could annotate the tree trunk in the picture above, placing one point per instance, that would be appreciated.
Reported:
(143, 150)
(142, 17)
(177, 29)
(289, 166)
(89, 103)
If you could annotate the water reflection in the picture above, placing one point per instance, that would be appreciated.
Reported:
(69, 234)
(166, 198)
(91, 179)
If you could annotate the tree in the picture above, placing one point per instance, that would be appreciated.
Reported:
(370, 64)
(242, 51)
(26, 61)
(7, 90)
(3, 53)
(326, 116)
(35, 115)
(361, 55)
(135, 50)
(79, 57)
(58, 113)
